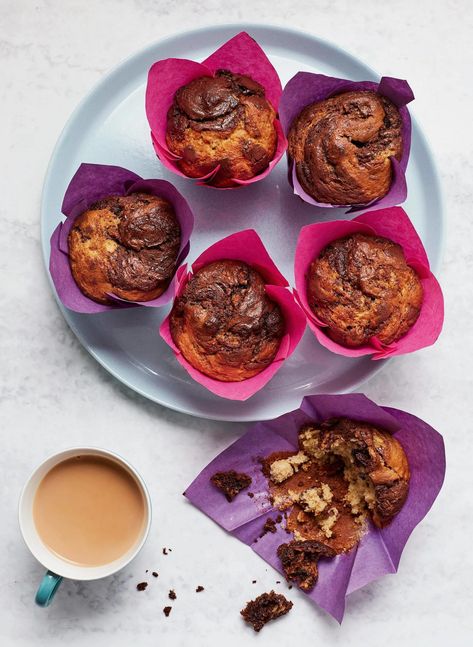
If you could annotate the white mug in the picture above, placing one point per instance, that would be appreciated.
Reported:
(58, 568)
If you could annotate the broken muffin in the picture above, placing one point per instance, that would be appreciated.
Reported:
(266, 607)
(230, 483)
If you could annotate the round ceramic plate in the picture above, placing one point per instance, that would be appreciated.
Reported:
(110, 127)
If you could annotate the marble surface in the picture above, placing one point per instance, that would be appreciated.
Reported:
(53, 395)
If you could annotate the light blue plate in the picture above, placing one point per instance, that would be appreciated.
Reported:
(110, 127)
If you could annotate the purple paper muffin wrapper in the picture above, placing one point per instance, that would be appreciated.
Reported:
(241, 54)
(305, 88)
(379, 551)
(91, 183)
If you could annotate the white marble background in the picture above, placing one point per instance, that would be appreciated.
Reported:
(52, 394)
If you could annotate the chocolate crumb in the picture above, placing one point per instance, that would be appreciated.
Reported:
(230, 483)
(253, 582)
(146, 571)
(172, 595)
(278, 581)
(154, 574)
(299, 561)
(165, 551)
(167, 611)
(141, 586)
(199, 589)
(251, 495)
(266, 607)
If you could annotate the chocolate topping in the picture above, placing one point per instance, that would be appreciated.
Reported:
(225, 323)
(341, 147)
(207, 119)
(125, 245)
(362, 287)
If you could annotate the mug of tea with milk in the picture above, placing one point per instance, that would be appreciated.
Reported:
(84, 513)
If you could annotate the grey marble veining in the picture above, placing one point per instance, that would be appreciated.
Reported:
(53, 395)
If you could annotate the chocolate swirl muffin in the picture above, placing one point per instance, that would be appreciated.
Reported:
(126, 246)
(375, 464)
(222, 120)
(342, 146)
(361, 287)
(224, 324)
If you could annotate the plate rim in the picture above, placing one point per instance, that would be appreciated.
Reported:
(48, 179)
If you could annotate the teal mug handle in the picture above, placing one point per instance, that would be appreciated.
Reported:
(47, 589)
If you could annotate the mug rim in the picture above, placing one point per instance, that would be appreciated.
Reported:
(67, 569)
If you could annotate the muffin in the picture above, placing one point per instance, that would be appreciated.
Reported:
(125, 246)
(222, 120)
(361, 287)
(375, 465)
(345, 473)
(341, 147)
(224, 324)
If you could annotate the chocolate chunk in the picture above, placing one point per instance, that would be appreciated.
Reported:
(154, 574)
(299, 561)
(230, 483)
(141, 586)
(264, 608)
(199, 589)
(172, 595)
(167, 611)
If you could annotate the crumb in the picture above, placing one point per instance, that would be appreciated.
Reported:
(264, 608)
(146, 571)
(253, 581)
(154, 574)
(230, 483)
(278, 581)
(165, 551)
(172, 595)
(141, 586)
(284, 468)
(199, 589)
(290, 586)
(299, 561)
(269, 526)
(167, 611)
(251, 495)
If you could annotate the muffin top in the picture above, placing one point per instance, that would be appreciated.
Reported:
(126, 246)
(222, 120)
(342, 147)
(361, 287)
(224, 323)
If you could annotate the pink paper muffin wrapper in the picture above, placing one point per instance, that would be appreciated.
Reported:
(379, 551)
(244, 246)
(91, 183)
(305, 88)
(242, 55)
(392, 223)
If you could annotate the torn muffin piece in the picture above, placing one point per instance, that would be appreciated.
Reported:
(375, 465)
(299, 561)
(352, 472)
(266, 607)
(284, 468)
(230, 483)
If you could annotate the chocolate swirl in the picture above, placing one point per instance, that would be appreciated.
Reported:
(362, 287)
(222, 120)
(224, 323)
(125, 246)
(342, 147)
